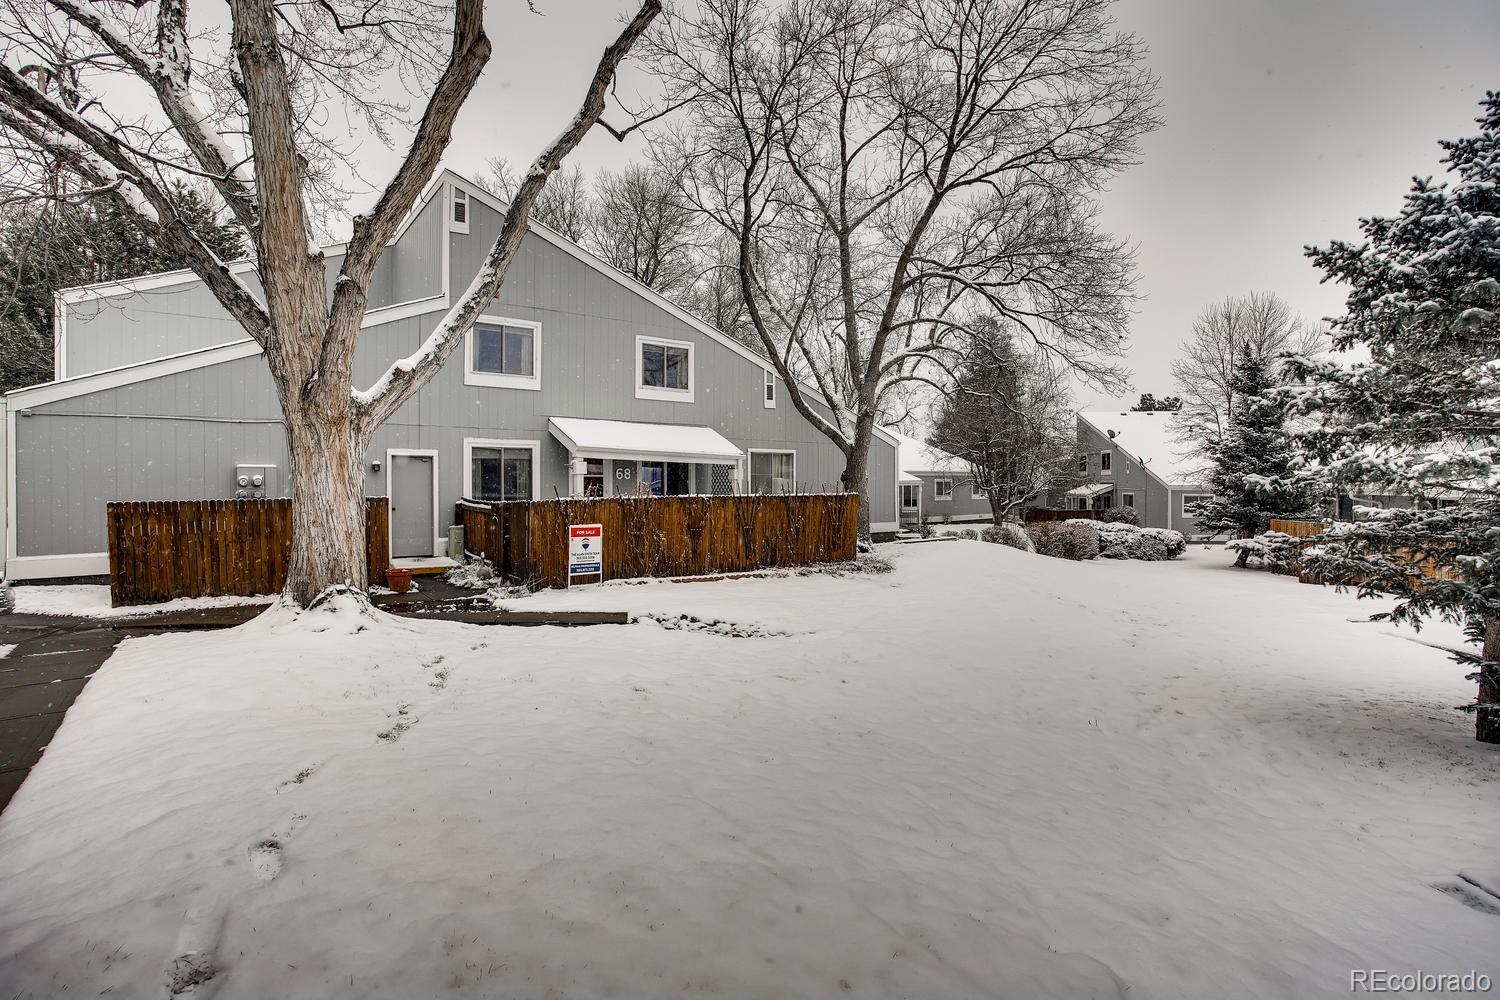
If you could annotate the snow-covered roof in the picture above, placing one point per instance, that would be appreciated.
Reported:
(628, 439)
(917, 456)
(1148, 437)
(1089, 490)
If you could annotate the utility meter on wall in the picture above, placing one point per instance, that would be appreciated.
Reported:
(255, 481)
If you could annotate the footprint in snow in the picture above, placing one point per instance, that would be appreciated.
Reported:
(191, 971)
(298, 778)
(1472, 896)
(265, 860)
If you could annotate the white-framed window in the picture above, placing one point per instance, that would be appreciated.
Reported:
(911, 496)
(1127, 499)
(942, 489)
(1106, 460)
(458, 210)
(773, 471)
(1191, 500)
(976, 492)
(1083, 463)
(1083, 503)
(497, 469)
(503, 353)
(664, 369)
(770, 391)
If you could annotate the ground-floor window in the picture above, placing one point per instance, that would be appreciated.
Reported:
(942, 489)
(1101, 502)
(501, 473)
(772, 471)
(667, 479)
(1190, 502)
(1127, 500)
(911, 496)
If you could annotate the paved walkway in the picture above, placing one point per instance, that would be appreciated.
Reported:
(52, 660)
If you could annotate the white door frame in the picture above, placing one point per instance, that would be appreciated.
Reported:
(390, 467)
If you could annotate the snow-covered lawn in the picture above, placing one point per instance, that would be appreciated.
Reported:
(987, 773)
(88, 600)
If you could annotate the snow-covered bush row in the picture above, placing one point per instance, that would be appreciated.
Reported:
(1120, 515)
(1118, 540)
(1008, 534)
(1075, 539)
(1273, 550)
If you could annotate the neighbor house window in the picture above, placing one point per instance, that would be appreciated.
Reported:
(1127, 500)
(772, 471)
(593, 477)
(501, 473)
(911, 496)
(663, 369)
(1190, 502)
(1105, 459)
(503, 353)
(1083, 463)
(770, 395)
(942, 489)
(667, 479)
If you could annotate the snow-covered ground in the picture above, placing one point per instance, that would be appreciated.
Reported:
(87, 600)
(987, 773)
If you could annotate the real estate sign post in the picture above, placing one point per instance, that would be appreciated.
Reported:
(585, 551)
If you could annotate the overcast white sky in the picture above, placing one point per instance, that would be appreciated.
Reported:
(1285, 121)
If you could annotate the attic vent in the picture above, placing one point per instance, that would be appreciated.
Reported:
(460, 207)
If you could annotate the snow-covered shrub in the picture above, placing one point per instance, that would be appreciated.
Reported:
(476, 573)
(1010, 534)
(967, 534)
(1126, 541)
(1120, 515)
(1074, 539)
(1272, 550)
(924, 530)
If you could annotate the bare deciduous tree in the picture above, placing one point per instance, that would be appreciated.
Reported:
(1009, 416)
(886, 170)
(245, 112)
(565, 204)
(641, 224)
(1261, 322)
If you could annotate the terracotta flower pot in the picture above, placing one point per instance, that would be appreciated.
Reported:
(398, 580)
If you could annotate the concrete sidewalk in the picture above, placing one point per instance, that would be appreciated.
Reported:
(52, 660)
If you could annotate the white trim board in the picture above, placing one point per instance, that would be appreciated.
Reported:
(46, 567)
(390, 453)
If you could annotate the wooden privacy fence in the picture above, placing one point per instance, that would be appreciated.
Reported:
(161, 549)
(664, 536)
(1297, 528)
(1307, 532)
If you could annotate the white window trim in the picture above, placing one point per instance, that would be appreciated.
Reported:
(976, 492)
(1183, 502)
(938, 496)
(1131, 495)
(916, 491)
(750, 454)
(534, 445)
(655, 392)
(438, 542)
(458, 193)
(768, 390)
(1110, 470)
(497, 380)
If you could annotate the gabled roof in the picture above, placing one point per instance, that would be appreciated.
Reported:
(916, 457)
(1148, 437)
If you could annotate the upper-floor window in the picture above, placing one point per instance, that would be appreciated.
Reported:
(942, 489)
(458, 218)
(663, 369)
(770, 394)
(504, 353)
(1106, 459)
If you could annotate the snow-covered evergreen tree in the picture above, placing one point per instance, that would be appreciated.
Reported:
(1252, 478)
(1422, 416)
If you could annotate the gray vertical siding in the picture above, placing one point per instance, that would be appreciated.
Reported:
(962, 506)
(181, 436)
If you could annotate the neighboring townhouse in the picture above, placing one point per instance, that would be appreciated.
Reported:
(576, 381)
(1129, 459)
(937, 486)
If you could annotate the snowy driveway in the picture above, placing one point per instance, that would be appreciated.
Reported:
(985, 774)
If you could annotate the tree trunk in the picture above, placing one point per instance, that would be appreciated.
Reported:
(328, 500)
(1487, 715)
(856, 479)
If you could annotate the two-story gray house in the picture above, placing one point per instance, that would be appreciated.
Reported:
(577, 380)
(1129, 459)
